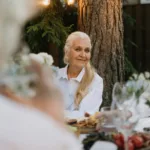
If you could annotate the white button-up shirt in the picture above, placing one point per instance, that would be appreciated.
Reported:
(90, 103)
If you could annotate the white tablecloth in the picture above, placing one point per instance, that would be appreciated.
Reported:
(145, 122)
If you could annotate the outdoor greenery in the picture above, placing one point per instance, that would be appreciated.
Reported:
(53, 25)
(47, 28)
(129, 68)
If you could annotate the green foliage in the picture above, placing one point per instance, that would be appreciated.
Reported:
(47, 28)
(148, 102)
(90, 139)
(129, 68)
(128, 19)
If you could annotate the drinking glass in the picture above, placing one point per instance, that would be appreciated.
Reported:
(122, 97)
(107, 124)
(127, 116)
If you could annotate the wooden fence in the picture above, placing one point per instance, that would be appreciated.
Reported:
(137, 37)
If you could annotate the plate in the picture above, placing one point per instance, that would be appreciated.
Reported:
(103, 145)
(74, 115)
(85, 130)
(84, 125)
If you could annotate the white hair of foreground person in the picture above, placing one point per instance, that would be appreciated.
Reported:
(13, 15)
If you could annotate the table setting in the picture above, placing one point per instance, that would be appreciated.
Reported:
(123, 127)
(113, 139)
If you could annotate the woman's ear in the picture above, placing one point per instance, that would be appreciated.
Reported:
(66, 57)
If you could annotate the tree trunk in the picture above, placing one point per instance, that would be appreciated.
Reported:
(102, 20)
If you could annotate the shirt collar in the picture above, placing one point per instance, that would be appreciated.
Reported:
(63, 74)
(80, 76)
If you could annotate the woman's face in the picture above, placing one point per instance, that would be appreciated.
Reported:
(80, 53)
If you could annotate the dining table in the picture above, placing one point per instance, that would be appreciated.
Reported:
(142, 124)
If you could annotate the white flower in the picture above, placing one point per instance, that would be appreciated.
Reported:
(139, 85)
(141, 76)
(48, 59)
(19, 79)
(25, 59)
(147, 75)
(135, 76)
(37, 58)
(42, 58)
(130, 78)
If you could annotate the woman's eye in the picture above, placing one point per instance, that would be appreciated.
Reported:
(87, 50)
(77, 49)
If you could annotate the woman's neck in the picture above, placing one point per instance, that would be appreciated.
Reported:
(73, 72)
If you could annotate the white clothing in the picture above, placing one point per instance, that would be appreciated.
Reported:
(23, 128)
(90, 103)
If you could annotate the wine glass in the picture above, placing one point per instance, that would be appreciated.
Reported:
(122, 97)
(127, 116)
(107, 124)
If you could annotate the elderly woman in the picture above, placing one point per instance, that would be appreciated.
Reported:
(81, 85)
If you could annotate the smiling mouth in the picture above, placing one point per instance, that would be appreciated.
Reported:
(81, 60)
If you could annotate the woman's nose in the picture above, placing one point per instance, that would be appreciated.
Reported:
(83, 54)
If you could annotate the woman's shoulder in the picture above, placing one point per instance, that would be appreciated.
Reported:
(97, 82)
(62, 69)
(61, 72)
(97, 78)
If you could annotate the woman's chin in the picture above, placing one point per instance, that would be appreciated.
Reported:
(81, 66)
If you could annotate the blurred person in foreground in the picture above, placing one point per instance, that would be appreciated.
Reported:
(22, 125)
(81, 85)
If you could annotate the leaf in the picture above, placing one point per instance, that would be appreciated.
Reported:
(44, 34)
(47, 27)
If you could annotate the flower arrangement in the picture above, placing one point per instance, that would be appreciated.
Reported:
(135, 93)
(139, 85)
(19, 79)
(42, 58)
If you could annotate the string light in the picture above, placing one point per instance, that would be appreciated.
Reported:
(45, 2)
(71, 2)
